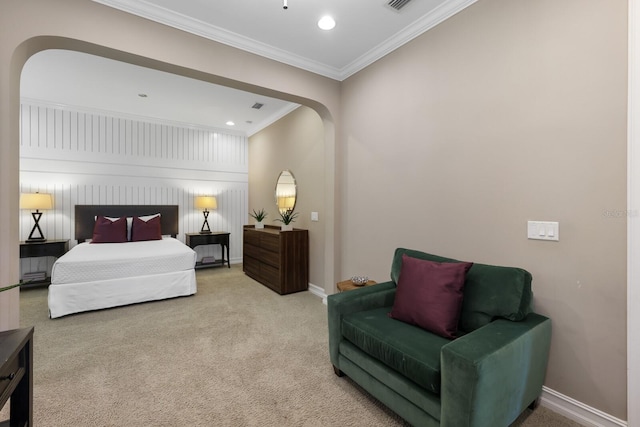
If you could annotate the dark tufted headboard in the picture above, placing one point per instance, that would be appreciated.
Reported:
(85, 217)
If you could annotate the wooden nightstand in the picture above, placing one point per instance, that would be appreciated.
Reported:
(347, 285)
(216, 238)
(55, 248)
(16, 375)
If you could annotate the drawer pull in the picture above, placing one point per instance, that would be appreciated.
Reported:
(8, 377)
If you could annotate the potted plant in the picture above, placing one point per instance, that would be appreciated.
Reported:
(286, 218)
(259, 216)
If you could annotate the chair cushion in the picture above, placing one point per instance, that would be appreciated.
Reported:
(408, 349)
(490, 291)
(429, 294)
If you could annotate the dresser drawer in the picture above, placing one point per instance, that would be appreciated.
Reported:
(270, 277)
(252, 251)
(13, 372)
(270, 242)
(251, 266)
(270, 257)
(251, 237)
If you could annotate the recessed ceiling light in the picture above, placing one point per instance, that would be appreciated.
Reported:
(230, 123)
(326, 23)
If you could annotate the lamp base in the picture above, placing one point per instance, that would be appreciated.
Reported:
(33, 236)
(205, 225)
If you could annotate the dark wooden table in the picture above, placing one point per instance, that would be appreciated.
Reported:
(215, 238)
(16, 376)
(347, 285)
(55, 248)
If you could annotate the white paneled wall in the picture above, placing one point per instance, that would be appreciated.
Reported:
(84, 157)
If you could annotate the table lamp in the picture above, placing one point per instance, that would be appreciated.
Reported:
(36, 201)
(206, 203)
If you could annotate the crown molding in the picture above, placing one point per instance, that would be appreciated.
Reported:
(418, 27)
(199, 28)
(194, 26)
(257, 127)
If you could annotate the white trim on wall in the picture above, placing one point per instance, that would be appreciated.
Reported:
(578, 411)
(633, 219)
(319, 292)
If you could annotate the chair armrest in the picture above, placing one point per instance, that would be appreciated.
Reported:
(340, 304)
(491, 374)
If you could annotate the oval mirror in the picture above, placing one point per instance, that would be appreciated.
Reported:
(286, 191)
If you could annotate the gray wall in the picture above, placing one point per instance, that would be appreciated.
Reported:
(508, 112)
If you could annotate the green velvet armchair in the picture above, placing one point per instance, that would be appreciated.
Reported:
(485, 377)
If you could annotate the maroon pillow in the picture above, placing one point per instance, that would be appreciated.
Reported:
(108, 231)
(146, 230)
(429, 294)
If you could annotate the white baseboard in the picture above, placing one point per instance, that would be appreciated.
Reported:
(577, 411)
(319, 292)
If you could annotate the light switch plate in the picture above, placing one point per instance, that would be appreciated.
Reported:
(543, 230)
(314, 216)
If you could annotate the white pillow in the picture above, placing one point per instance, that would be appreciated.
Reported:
(146, 218)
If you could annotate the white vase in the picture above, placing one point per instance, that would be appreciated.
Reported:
(286, 227)
(259, 224)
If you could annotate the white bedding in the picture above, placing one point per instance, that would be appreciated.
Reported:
(89, 262)
(96, 276)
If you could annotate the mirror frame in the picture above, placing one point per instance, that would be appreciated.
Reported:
(282, 192)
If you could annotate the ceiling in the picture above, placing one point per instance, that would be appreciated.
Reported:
(87, 82)
(365, 31)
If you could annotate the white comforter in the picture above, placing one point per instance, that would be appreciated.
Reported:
(88, 262)
(97, 276)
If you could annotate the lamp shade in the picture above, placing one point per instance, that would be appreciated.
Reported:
(36, 201)
(206, 202)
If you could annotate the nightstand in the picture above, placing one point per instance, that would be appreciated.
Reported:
(215, 238)
(55, 248)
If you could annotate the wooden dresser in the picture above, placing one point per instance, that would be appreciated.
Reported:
(277, 259)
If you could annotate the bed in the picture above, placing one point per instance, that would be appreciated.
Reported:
(94, 276)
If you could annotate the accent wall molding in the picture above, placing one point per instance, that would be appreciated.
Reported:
(134, 117)
(89, 158)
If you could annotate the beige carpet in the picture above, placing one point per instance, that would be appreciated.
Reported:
(235, 354)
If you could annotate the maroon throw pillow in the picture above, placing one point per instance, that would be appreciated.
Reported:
(108, 231)
(146, 230)
(429, 294)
